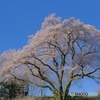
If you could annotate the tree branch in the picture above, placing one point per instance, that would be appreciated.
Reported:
(42, 77)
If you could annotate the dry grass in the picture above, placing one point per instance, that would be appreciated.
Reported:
(25, 99)
(76, 98)
(36, 98)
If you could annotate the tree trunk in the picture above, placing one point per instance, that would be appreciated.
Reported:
(67, 90)
(58, 95)
(66, 95)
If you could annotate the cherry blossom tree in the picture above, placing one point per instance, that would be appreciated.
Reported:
(57, 55)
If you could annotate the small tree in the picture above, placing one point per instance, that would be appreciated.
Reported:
(11, 90)
(55, 56)
(3, 92)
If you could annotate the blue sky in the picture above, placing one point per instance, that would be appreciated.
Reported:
(21, 18)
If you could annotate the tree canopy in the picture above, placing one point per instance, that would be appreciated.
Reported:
(56, 55)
